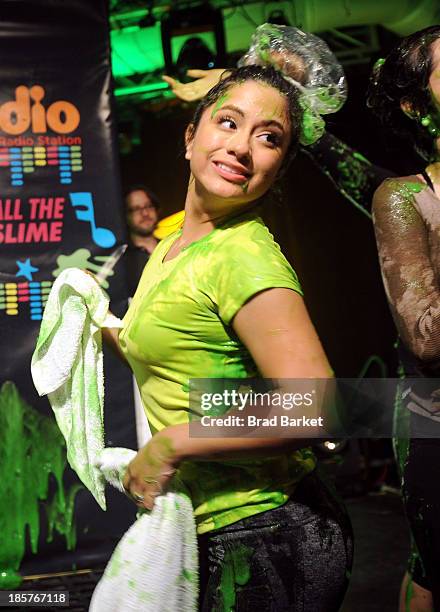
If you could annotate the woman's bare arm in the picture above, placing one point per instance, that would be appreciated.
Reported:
(195, 90)
(409, 278)
(110, 336)
(276, 329)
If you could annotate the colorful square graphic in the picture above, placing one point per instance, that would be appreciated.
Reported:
(31, 297)
(25, 160)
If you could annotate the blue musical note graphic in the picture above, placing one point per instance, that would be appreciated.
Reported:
(82, 202)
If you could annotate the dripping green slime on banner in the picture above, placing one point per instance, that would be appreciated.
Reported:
(31, 449)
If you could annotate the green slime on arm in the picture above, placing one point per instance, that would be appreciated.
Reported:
(414, 186)
(31, 449)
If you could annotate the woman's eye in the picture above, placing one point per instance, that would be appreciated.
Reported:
(271, 138)
(227, 122)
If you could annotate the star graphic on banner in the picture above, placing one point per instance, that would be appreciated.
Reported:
(26, 269)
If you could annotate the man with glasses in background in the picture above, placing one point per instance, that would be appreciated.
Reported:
(142, 214)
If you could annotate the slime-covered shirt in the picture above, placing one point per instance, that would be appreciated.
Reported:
(178, 327)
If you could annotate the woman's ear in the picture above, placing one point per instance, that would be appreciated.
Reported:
(189, 139)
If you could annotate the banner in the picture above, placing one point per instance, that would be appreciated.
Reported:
(60, 207)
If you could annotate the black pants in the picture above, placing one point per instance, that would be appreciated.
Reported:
(421, 493)
(295, 558)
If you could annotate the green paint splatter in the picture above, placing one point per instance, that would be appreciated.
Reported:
(414, 186)
(400, 430)
(31, 449)
(245, 187)
(352, 175)
(219, 104)
(312, 126)
(361, 158)
(327, 98)
(146, 597)
(401, 434)
(402, 203)
(60, 514)
(236, 571)
(116, 564)
(82, 258)
(188, 575)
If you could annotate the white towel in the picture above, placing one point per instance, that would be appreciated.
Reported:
(155, 565)
(67, 366)
(154, 568)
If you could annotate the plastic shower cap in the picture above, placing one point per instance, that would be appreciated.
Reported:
(307, 62)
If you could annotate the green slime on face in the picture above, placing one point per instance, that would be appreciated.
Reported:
(222, 99)
(31, 449)
(236, 571)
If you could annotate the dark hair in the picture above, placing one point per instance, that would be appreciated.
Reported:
(264, 74)
(403, 78)
(140, 187)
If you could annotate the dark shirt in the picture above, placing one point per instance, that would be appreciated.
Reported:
(135, 260)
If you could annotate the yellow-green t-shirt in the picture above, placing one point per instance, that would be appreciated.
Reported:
(178, 327)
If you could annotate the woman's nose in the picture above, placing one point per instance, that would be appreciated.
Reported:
(239, 145)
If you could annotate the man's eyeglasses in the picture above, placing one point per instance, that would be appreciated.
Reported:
(139, 209)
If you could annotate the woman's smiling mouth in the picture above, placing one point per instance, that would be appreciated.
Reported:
(232, 173)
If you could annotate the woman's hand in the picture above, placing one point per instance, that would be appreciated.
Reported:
(196, 90)
(151, 471)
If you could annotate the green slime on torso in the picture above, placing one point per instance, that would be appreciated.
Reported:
(31, 449)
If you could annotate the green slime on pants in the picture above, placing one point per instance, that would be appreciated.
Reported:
(31, 449)
(236, 571)
(401, 449)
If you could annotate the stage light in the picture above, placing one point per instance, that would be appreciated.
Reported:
(203, 24)
(332, 447)
(140, 89)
